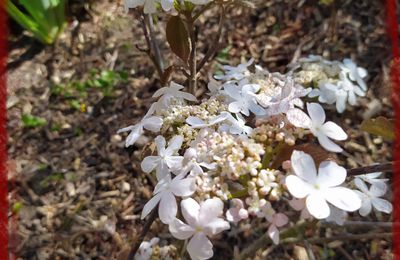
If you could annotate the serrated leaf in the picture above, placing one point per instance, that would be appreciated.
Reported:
(178, 37)
(380, 126)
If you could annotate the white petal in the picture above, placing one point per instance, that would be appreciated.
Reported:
(195, 122)
(343, 198)
(273, 233)
(174, 163)
(150, 205)
(162, 170)
(180, 230)
(236, 107)
(134, 135)
(183, 188)
(316, 112)
(378, 190)
(360, 184)
(153, 123)
(328, 144)
(232, 91)
(209, 210)
(330, 174)
(167, 4)
(334, 131)
(280, 219)
(174, 145)
(216, 226)
(366, 205)
(160, 143)
(200, 247)
(190, 211)
(382, 205)
(257, 110)
(303, 166)
(298, 118)
(168, 207)
(297, 187)
(341, 98)
(317, 206)
(149, 163)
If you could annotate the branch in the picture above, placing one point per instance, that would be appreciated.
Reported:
(384, 167)
(152, 47)
(342, 237)
(214, 45)
(192, 57)
(145, 229)
(156, 48)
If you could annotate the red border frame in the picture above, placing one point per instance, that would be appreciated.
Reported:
(4, 236)
(392, 26)
(393, 32)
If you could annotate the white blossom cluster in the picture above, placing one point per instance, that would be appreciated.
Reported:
(152, 6)
(212, 159)
(334, 82)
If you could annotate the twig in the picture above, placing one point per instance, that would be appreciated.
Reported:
(202, 10)
(384, 167)
(342, 237)
(155, 46)
(192, 57)
(145, 229)
(151, 49)
(214, 45)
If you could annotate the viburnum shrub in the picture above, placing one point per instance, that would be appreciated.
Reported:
(258, 144)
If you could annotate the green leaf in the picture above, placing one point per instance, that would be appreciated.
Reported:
(178, 37)
(32, 121)
(380, 126)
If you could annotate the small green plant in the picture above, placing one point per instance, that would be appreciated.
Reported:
(30, 121)
(45, 19)
(76, 91)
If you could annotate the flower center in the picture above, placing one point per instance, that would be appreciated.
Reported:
(316, 186)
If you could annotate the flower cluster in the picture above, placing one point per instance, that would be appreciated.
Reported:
(225, 149)
(151, 6)
(334, 82)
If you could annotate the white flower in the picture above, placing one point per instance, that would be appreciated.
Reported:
(150, 6)
(166, 160)
(315, 122)
(164, 195)
(372, 178)
(152, 123)
(237, 212)
(166, 94)
(355, 73)
(145, 250)
(203, 221)
(236, 126)
(370, 197)
(236, 73)
(191, 164)
(322, 188)
(244, 99)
